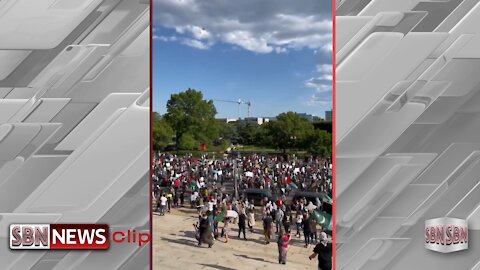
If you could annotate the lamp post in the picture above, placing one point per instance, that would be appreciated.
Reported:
(236, 175)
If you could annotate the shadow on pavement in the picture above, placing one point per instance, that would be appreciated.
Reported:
(217, 266)
(186, 242)
(189, 234)
(252, 258)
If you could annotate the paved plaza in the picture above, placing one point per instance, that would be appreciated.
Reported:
(175, 247)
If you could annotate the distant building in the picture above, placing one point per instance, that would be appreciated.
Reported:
(269, 119)
(328, 115)
(309, 117)
(227, 120)
(256, 120)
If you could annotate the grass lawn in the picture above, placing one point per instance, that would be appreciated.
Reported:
(246, 149)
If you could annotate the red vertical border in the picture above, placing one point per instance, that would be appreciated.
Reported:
(150, 135)
(334, 128)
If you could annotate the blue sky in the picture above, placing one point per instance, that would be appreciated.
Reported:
(239, 54)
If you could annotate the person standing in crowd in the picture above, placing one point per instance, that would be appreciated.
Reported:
(242, 224)
(210, 218)
(204, 234)
(193, 199)
(175, 199)
(182, 198)
(306, 229)
(251, 216)
(287, 219)
(210, 205)
(267, 227)
(163, 204)
(278, 220)
(226, 229)
(324, 252)
(313, 231)
(282, 242)
(169, 200)
(299, 220)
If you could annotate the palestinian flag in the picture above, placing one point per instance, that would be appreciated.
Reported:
(327, 198)
(220, 216)
(323, 219)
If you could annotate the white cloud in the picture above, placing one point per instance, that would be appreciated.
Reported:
(195, 43)
(322, 80)
(328, 48)
(165, 38)
(195, 31)
(266, 26)
(321, 97)
(244, 39)
(324, 68)
(322, 85)
(262, 27)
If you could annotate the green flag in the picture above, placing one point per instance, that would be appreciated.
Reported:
(220, 216)
(323, 219)
(327, 198)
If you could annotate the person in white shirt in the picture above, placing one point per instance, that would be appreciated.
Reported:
(299, 220)
(193, 198)
(210, 205)
(163, 204)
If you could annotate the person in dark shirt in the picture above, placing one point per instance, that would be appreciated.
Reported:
(182, 198)
(204, 235)
(267, 228)
(241, 225)
(306, 229)
(324, 252)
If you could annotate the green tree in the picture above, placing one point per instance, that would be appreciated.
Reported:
(289, 131)
(162, 133)
(188, 142)
(320, 143)
(230, 133)
(248, 133)
(188, 112)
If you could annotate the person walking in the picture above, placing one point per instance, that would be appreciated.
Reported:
(278, 220)
(242, 224)
(267, 228)
(324, 252)
(282, 243)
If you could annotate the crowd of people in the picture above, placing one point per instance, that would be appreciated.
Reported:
(208, 183)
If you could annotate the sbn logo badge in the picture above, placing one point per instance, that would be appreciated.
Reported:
(59, 236)
(446, 234)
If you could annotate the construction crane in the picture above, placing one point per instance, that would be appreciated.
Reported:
(239, 102)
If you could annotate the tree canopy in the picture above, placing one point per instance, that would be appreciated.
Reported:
(190, 121)
(188, 113)
(289, 131)
(162, 132)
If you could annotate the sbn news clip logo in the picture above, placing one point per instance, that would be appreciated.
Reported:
(446, 234)
(71, 236)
